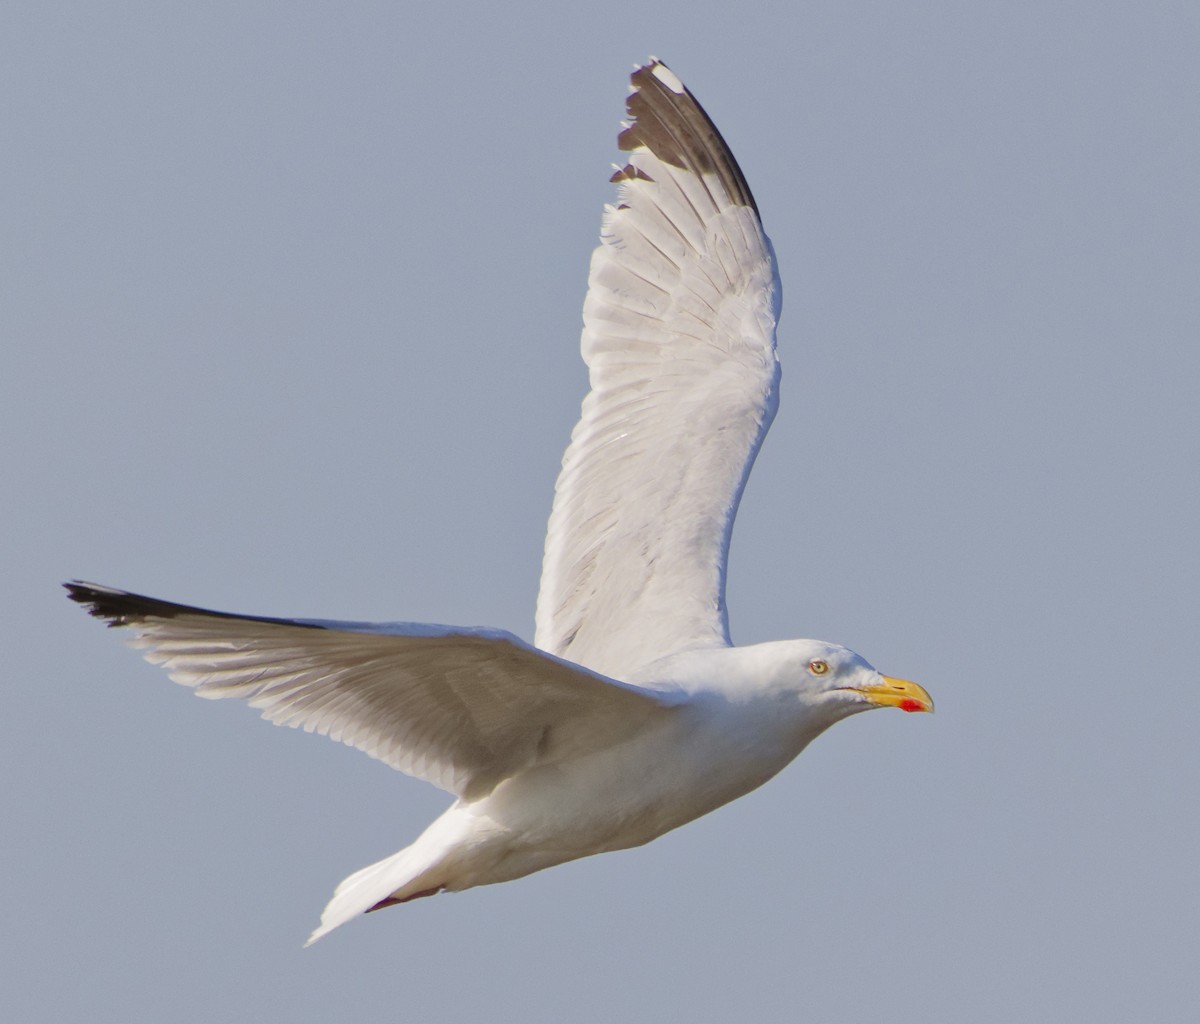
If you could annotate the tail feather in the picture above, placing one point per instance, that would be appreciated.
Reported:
(434, 862)
(377, 884)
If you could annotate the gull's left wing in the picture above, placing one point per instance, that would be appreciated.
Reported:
(461, 708)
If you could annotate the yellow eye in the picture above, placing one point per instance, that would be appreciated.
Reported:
(818, 667)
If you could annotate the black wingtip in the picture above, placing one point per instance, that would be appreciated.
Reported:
(122, 608)
(667, 119)
(118, 607)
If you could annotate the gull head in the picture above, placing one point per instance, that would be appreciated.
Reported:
(814, 674)
(818, 675)
(829, 674)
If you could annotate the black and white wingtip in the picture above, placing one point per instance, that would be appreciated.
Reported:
(123, 608)
(666, 120)
(118, 607)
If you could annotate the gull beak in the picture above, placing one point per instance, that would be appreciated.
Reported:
(897, 693)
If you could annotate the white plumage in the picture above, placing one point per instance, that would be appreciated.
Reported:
(633, 714)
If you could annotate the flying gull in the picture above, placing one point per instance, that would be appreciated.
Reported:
(631, 713)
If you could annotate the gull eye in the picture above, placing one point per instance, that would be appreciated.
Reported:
(818, 667)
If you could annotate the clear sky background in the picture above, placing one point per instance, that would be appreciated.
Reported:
(290, 320)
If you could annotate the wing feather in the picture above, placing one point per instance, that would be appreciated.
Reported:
(679, 339)
(463, 709)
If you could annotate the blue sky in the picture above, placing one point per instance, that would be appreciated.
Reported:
(291, 320)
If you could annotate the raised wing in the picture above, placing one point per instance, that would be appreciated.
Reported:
(463, 709)
(679, 339)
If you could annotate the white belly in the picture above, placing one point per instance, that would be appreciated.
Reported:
(615, 798)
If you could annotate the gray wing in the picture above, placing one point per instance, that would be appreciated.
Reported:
(679, 339)
(461, 708)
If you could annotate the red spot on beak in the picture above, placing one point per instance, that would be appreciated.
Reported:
(910, 704)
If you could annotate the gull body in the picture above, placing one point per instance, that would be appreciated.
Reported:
(631, 713)
(738, 715)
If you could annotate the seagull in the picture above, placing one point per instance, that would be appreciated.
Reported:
(632, 712)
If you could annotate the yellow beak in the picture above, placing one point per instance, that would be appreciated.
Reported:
(898, 693)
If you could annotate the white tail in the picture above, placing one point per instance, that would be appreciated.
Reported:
(412, 872)
(359, 892)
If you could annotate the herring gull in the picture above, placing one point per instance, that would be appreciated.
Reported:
(632, 712)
